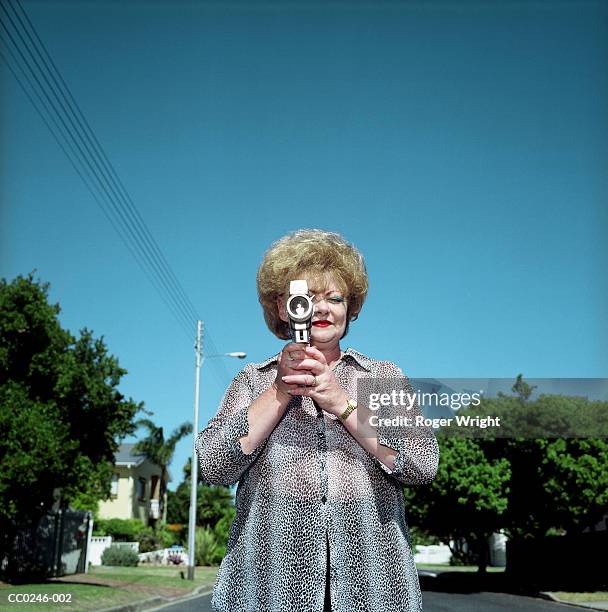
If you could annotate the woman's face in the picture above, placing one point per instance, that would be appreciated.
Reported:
(329, 315)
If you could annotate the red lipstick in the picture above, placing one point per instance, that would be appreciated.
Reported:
(321, 323)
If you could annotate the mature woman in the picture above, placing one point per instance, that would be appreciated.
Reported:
(320, 521)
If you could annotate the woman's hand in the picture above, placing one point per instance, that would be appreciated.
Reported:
(287, 360)
(309, 375)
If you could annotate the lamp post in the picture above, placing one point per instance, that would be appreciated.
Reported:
(199, 359)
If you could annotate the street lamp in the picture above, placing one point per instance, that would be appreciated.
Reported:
(199, 359)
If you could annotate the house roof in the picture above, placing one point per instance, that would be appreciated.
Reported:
(125, 456)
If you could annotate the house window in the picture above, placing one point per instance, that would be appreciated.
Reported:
(114, 486)
(141, 489)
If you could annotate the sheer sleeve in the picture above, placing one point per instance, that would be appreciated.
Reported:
(417, 457)
(220, 456)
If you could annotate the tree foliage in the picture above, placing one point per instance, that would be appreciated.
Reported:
(214, 505)
(61, 414)
(558, 485)
(215, 513)
(468, 497)
(160, 451)
(524, 484)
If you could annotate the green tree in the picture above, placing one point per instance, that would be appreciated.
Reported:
(61, 414)
(160, 451)
(559, 468)
(548, 474)
(557, 484)
(215, 513)
(466, 499)
(214, 503)
(522, 388)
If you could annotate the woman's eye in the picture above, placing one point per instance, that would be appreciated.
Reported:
(336, 299)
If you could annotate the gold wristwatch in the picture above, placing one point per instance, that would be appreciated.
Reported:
(350, 406)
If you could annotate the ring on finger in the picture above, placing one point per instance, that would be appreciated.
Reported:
(290, 357)
(314, 381)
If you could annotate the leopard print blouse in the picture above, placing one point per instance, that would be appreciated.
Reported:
(307, 481)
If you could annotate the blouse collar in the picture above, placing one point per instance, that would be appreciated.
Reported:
(359, 358)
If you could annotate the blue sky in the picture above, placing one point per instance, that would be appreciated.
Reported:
(460, 145)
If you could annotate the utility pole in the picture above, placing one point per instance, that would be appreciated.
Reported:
(198, 352)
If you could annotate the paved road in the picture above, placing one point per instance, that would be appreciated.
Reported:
(435, 602)
(196, 604)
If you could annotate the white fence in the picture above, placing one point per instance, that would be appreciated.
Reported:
(99, 544)
(162, 556)
(436, 554)
(440, 554)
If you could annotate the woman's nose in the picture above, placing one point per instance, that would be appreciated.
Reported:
(321, 306)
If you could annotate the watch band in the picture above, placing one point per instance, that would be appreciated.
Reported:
(350, 406)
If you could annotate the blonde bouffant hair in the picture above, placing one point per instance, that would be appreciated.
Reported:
(310, 253)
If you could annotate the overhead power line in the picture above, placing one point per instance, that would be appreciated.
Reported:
(29, 60)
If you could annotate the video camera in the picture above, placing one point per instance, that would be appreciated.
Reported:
(299, 310)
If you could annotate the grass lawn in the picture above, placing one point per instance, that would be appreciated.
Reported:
(582, 597)
(105, 587)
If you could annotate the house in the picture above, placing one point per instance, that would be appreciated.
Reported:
(135, 489)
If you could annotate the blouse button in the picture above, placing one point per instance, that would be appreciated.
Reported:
(324, 499)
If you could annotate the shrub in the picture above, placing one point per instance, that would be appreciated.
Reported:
(222, 533)
(119, 555)
(147, 540)
(207, 548)
(180, 533)
(420, 537)
(121, 530)
(153, 539)
(167, 537)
